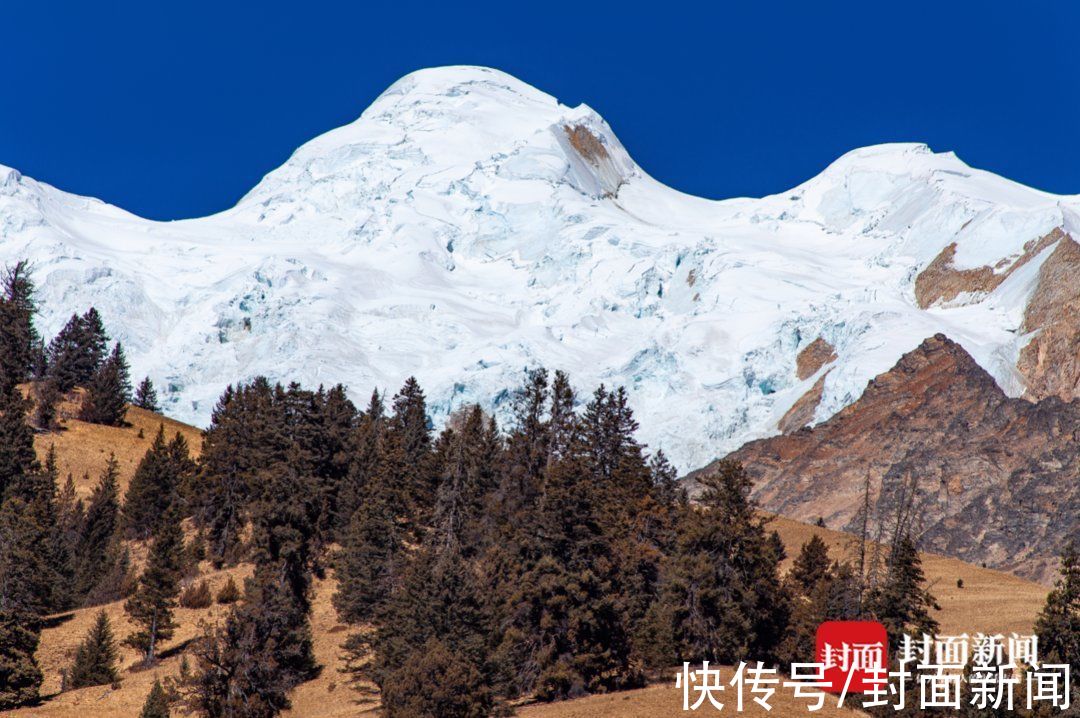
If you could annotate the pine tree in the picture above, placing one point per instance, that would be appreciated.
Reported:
(94, 342)
(99, 528)
(811, 566)
(409, 441)
(1058, 624)
(264, 649)
(439, 597)
(902, 603)
(721, 589)
(20, 676)
(46, 397)
(436, 682)
(108, 392)
(151, 608)
(365, 565)
(146, 396)
(157, 703)
(77, 352)
(155, 484)
(245, 436)
(18, 337)
(366, 441)
(17, 457)
(96, 656)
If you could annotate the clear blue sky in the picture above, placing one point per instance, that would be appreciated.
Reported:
(176, 109)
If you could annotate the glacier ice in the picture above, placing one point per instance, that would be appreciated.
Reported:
(468, 227)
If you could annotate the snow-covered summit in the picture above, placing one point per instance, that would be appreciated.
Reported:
(468, 226)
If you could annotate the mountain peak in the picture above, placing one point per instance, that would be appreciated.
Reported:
(467, 226)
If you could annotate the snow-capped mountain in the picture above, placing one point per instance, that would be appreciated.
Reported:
(468, 226)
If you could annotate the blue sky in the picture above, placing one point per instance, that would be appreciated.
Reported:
(175, 110)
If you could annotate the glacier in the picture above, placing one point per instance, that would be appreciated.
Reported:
(468, 227)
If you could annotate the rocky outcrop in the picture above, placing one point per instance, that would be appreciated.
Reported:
(814, 355)
(994, 479)
(941, 282)
(1050, 362)
(802, 411)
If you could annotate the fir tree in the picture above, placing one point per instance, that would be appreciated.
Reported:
(721, 587)
(157, 703)
(1058, 624)
(902, 603)
(146, 396)
(46, 397)
(410, 446)
(78, 351)
(811, 566)
(20, 676)
(366, 444)
(244, 438)
(155, 484)
(17, 457)
(18, 337)
(99, 528)
(247, 667)
(436, 682)
(108, 392)
(151, 608)
(95, 658)
(439, 597)
(365, 565)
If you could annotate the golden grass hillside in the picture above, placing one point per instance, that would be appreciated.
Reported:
(83, 449)
(989, 601)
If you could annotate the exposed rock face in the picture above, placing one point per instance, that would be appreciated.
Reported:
(1050, 362)
(941, 282)
(815, 355)
(802, 411)
(995, 478)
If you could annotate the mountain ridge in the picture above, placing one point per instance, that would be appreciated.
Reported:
(467, 227)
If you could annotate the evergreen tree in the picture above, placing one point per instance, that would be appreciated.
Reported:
(409, 452)
(566, 631)
(151, 608)
(94, 342)
(435, 682)
(78, 351)
(98, 531)
(245, 436)
(811, 566)
(20, 676)
(157, 703)
(156, 484)
(17, 457)
(721, 588)
(1058, 624)
(901, 602)
(146, 396)
(108, 392)
(264, 649)
(46, 397)
(366, 442)
(365, 565)
(18, 337)
(95, 658)
(439, 597)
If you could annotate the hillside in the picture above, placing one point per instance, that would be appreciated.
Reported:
(993, 477)
(468, 226)
(989, 602)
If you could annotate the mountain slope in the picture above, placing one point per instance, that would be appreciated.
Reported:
(991, 479)
(468, 226)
